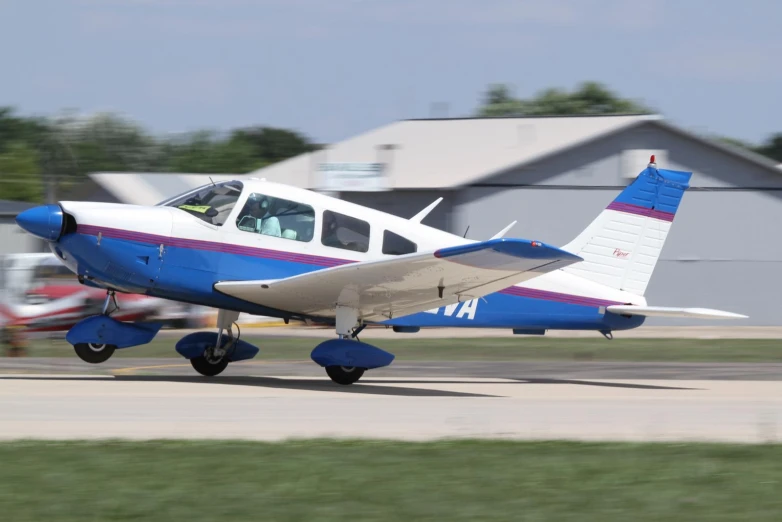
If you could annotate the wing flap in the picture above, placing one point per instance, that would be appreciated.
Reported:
(665, 311)
(406, 284)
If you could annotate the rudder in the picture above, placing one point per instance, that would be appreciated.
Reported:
(621, 247)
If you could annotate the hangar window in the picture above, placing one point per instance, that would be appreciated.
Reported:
(396, 245)
(277, 217)
(211, 203)
(345, 232)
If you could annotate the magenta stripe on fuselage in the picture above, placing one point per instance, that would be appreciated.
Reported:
(325, 262)
(629, 208)
(211, 246)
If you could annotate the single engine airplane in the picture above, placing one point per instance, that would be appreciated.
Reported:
(269, 249)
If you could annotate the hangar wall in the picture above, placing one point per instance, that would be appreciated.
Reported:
(14, 240)
(722, 251)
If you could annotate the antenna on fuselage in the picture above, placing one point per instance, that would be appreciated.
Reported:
(425, 212)
(213, 183)
(465, 232)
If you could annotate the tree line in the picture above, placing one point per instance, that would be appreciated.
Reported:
(40, 154)
(37, 154)
(592, 98)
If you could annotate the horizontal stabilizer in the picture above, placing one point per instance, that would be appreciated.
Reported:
(666, 311)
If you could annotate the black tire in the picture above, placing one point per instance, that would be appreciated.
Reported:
(94, 353)
(206, 368)
(344, 374)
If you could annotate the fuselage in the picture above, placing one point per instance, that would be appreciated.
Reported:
(174, 253)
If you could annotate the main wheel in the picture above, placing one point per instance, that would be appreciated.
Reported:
(94, 353)
(208, 367)
(344, 374)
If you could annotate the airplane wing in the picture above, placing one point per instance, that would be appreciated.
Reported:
(665, 311)
(406, 284)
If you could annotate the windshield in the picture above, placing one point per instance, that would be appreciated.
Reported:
(211, 203)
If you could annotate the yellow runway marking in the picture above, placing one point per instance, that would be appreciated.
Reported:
(131, 369)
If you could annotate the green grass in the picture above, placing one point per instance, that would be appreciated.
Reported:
(377, 481)
(408, 348)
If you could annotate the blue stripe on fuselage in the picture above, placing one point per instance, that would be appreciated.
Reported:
(187, 273)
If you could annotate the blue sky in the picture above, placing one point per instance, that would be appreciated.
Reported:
(334, 68)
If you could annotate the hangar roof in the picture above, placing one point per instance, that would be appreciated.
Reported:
(448, 153)
(424, 154)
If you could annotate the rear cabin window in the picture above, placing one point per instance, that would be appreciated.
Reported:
(396, 245)
(345, 232)
(277, 217)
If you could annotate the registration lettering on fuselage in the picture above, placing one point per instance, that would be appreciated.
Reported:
(466, 310)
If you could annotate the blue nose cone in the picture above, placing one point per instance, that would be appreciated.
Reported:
(44, 222)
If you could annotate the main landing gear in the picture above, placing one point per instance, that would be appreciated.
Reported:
(346, 358)
(345, 374)
(210, 352)
(215, 358)
(209, 364)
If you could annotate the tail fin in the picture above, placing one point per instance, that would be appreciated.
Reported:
(621, 247)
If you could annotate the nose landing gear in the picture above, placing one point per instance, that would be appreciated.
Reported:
(96, 353)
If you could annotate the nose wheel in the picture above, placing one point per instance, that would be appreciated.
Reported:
(94, 353)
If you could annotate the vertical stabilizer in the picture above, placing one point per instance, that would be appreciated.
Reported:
(621, 247)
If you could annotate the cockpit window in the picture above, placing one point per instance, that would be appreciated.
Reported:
(211, 203)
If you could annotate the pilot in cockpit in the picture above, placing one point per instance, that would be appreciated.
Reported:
(262, 209)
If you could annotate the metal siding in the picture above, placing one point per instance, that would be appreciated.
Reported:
(745, 287)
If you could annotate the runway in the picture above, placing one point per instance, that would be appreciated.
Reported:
(561, 403)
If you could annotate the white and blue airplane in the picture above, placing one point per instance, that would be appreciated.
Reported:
(269, 249)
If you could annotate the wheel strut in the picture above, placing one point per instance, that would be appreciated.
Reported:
(111, 298)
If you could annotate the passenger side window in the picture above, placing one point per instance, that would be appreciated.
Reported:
(396, 245)
(345, 232)
(277, 217)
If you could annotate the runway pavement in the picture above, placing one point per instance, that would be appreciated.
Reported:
(157, 398)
